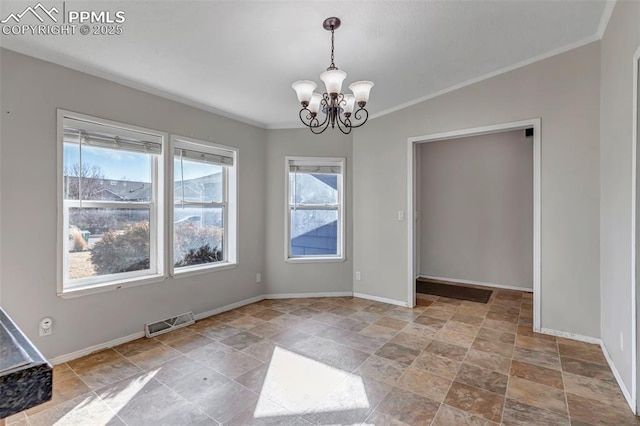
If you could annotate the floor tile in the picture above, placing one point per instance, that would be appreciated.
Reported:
(398, 353)
(408, 407)
(267, 314)
(543, 359)
(518, 413)
(447, 350)
(381, 369)
(481, 378)
(344, 358)
(424, 383)
(488, 360)
(189, 343)
(393, 323)
(449, 416)
(598, 412)
(589, 353)
(378, 331)
(350, 403)
(154, 357)
(602, 390)
(493, 347)
(537, 395)
(241, 340)
(535, 344)
(535, 373)
(455, 338)
(498, 335)
(587, 369)
(411, 341)
(87, 409)
(477, 401)
(136, 346)
(246, 322)
(437, 364)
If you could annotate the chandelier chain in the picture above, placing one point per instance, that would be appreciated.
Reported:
(332, 66)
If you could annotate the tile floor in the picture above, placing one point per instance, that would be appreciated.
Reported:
(343, 361)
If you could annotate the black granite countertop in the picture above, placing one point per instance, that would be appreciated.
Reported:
(26, 377)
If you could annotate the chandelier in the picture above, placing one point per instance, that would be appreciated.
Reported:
(337, 107)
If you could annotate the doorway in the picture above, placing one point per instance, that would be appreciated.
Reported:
(412, 208)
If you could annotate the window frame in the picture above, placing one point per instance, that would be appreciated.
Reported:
(229, 202)
(341, 244)
(156, 271)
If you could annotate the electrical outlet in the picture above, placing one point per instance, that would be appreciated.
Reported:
(46, 326)
(400, 215)
(621, 342)
(358, 276)
(258, 277)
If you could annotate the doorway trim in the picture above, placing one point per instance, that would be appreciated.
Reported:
(635, 140)
(412, 143)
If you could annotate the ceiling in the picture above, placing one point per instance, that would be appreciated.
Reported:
(239, 58)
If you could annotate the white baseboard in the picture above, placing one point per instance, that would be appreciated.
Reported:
(380, 299)
(572, 336)
(229, 307)
(456, 280)
(305, 295)
(101, 346)
(616, 374)
(599, 342)
(95, 348)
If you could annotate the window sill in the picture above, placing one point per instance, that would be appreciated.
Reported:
(315, 259)
(110, 286)
(200, 270)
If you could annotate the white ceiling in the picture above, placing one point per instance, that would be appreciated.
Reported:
(240, 57)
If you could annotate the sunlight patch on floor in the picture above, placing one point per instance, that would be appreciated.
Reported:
(300, 385)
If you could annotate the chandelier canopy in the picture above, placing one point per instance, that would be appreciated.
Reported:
(337, 107)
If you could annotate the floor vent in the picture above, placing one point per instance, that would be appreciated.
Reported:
(166, 325)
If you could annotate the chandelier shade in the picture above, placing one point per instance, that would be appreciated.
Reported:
(333, 80)
(361, 90)
(304, 89)
(338, 108)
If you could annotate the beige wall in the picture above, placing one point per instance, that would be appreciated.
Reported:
(476, 209)
(32, 90)
(619, 43)
(283, 277)
(564, 92)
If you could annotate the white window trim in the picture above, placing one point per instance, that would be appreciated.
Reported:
(230, 221)
(157, 239)
(331, 161)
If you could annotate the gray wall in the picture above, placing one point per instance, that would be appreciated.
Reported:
(619, 43)
(564, 91)
(283, 277)
(32, 90)
(476, 209)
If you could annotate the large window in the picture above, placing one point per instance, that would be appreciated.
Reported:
(204, 200)
(314, 209)
(113, 199)
(111, 192)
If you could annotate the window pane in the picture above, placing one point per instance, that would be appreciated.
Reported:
(198, 236)
(106, 174)
(316, 188)
(314, 232)
(202, 181)
(107, 241)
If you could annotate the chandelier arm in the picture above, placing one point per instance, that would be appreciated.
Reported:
(356, 115)
(309, 117)
(324, 126)
(347, 127)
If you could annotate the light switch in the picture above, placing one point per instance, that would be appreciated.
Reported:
(400, 215)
